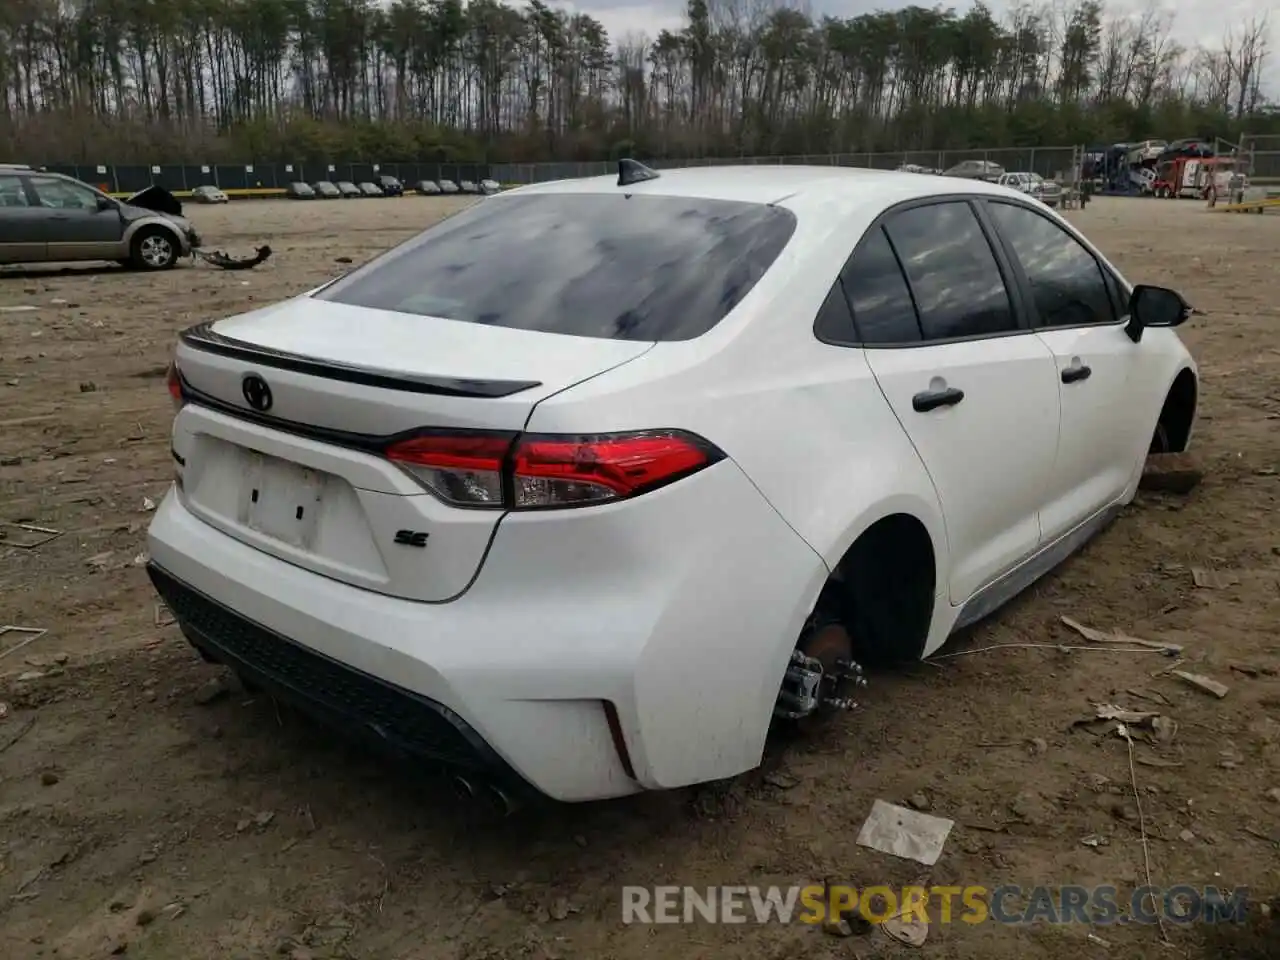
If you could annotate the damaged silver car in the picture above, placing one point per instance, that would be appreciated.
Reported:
(49, 217)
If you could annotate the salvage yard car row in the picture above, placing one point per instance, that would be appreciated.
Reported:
(50, 217)
(386, 186)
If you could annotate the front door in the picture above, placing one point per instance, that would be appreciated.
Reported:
(973, 389)
(1103, 433)
(76, 227)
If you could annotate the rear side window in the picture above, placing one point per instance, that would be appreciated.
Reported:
(12, 193)
(835, 322)
(590, 265)
(878, 295)
(959, 290)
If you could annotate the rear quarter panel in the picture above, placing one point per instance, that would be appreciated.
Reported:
(804, 420)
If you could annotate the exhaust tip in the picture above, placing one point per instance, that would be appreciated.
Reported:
(488, 794)
(499, 800)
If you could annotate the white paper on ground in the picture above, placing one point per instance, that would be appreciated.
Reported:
(905, 833)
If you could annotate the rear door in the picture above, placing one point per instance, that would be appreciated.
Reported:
(362, 431)
(973, 388)
(21, 236)
(1099, 369)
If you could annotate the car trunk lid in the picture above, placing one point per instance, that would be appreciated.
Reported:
(289, 410)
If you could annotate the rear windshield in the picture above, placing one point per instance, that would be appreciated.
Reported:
(591, 265)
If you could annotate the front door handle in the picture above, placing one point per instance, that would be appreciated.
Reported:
(933, 399)
(1076, 374)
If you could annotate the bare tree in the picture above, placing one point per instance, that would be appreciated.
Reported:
(203, 81)
(1246, 56)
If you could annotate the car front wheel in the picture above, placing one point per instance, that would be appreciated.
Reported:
(154, 248)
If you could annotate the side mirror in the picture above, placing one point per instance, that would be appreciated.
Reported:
(1155, 307)
(106, 203)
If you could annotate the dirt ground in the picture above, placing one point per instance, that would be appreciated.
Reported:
(136, 818)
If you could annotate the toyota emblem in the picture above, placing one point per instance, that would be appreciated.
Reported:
(256, 392)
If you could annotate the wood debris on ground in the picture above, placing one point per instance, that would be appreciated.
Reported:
(1209, 579)
(1115, 636)
(42, 536)
(1201, 682)
(1154, 727)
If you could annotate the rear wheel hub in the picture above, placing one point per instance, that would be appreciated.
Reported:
(821, 674)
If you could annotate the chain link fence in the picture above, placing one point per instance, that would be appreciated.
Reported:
(1264, 154)
(1047, 161)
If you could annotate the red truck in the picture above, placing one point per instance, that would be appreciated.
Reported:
(1194, 177)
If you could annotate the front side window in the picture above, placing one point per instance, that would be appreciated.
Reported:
(1119, 295)
(958, 288)
(1067, 283)
(610, 265)
(63, 194)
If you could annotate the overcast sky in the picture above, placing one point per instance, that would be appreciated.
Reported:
(1195, 22)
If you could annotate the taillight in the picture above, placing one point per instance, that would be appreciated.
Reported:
(552, 471)
(464, 469)
(174, 381)
(537, 471)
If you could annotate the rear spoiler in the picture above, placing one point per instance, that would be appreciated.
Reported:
(202, 337)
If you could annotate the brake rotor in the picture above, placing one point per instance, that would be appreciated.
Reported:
(832, 647)
(829, 645)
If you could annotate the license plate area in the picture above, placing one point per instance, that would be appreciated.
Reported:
(282, 500)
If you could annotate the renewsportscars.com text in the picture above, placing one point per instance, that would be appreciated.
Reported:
(974, 904)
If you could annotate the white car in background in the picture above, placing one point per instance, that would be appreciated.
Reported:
(1033, 185)
(1145, 150)
(711, 439)
(207, 193)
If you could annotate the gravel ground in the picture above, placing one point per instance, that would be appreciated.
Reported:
(140, 814)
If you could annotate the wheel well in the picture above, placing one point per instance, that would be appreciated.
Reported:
(155, 226)
(1179, 412)
(883, 589)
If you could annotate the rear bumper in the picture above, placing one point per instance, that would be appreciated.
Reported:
(390, 718)
(628, 647)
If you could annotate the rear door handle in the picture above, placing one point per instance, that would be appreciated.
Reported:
(932, 399)
(1076, 374)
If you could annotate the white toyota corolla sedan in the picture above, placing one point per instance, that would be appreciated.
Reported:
(582, 488)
